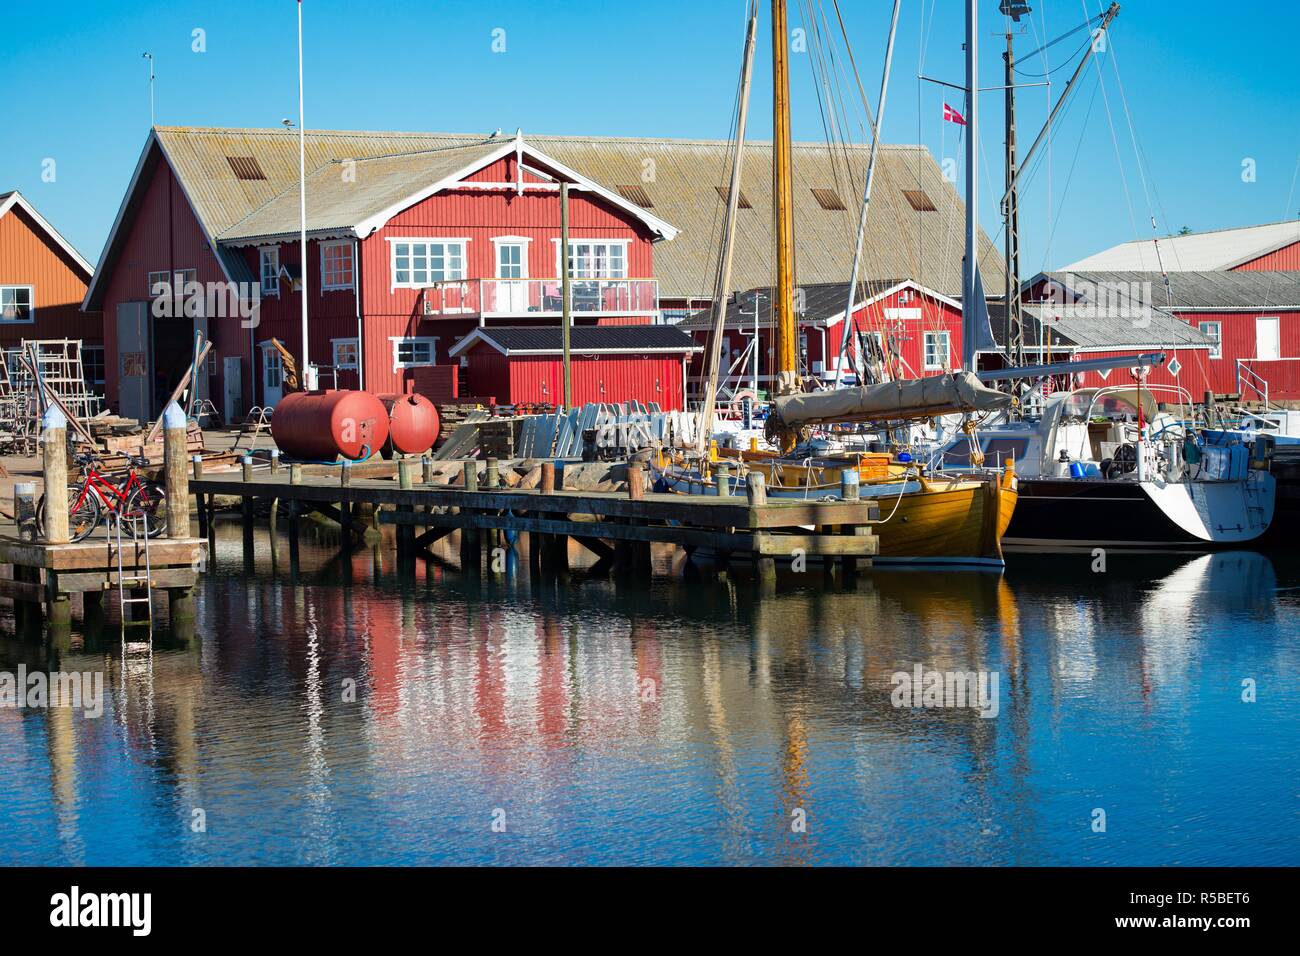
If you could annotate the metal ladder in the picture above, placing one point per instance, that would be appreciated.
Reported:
(125, 582)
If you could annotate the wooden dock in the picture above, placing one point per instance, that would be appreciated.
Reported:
(617, 526)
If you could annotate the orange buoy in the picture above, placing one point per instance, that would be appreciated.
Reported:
(320, 426)
(413, 423)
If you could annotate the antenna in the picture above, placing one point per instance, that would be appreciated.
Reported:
(149, 56)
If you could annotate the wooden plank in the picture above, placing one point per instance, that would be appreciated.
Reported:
(97, 553)
(763, 544)
(107, 580)
(713, 511)
(22, 590)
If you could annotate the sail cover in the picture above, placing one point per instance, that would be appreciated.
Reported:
(906, 399)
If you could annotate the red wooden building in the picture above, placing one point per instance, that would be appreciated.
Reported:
(609, 363)
(409, 251)
(42, 282)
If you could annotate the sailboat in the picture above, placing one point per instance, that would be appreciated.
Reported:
(924, 517)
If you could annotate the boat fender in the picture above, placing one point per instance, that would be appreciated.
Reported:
(1191, 450)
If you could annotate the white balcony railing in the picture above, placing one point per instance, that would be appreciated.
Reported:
(541, 297)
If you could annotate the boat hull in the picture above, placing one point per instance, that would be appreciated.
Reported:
(1087, 513)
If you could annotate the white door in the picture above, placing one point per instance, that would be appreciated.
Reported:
(1268, 341)
(233, 404)
(272, 377)
(512, 269)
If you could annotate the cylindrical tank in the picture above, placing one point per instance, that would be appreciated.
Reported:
(413, 423)
(319, 426)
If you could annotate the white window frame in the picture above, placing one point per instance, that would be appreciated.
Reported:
(334, 351)
(31, 304)
(399, 340)
(1217, 338)
(169, 276)
(325, 284)
(944, 337)
(594, 241)
(272, 359)
(274, 288)
(395, 241)
(520, 242)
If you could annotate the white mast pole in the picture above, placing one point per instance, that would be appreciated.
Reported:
(866, 201)
(971, 263)
(308, 376)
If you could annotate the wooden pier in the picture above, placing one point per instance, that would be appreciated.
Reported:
(617, 526)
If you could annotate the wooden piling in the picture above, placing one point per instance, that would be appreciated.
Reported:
(635, 481)
(54, 453)
(175, 478)
(722, 478)
(491, 475)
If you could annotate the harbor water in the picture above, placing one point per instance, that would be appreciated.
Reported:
(338, 712)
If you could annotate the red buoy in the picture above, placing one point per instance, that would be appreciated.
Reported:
(320, 426)
(413, 423)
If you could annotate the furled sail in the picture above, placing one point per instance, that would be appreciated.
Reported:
(906, 399)
(977, 335)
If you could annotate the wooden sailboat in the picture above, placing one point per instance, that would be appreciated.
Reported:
(925, 518)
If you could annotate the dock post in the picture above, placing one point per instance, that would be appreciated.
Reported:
(182, 613)
(345, 507)
(176, 480)
(27, 614)
(426, 470)
(54, 455)
(470, 546)
(405, 532)
(246, 507)
(849, 484)
(295, 478)
(275, 461)
(635, 481)
(722, 476)
(196, 463)
(491, 474)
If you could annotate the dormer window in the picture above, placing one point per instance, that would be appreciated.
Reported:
(269, 259)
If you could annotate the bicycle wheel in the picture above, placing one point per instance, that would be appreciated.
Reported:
(147, 502)
(83, 518)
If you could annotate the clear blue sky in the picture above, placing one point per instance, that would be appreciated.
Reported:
(1207, 87)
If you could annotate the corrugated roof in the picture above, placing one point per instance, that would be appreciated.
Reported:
(680, 178)
(585, 339)
(1249, 289)
(819, 302)
(1196, 252)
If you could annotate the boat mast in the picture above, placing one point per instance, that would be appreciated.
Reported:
(785, 366)
(1015, 332)
(970, 265)
(722, 287)
(866, 203)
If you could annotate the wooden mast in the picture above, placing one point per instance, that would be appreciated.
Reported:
(785, 364)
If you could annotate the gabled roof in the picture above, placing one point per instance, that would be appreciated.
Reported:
(822, 303)
(1249, 290)
(584, 340)
(680, 178)
(14, 198)
(1196, 252)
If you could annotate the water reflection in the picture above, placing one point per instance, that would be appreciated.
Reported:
(338, 711)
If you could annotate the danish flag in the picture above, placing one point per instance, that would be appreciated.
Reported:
(952, 116)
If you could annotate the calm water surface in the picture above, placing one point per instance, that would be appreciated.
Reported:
(605, 722)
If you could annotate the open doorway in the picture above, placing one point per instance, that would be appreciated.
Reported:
(173, 354)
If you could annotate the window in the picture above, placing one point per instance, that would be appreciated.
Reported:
(412, 352)
(419, 262)
(246, 167)
(16, 303)
(92, 364)
(345, 353)
(918, 200)
(598, 260)
(936, 349)
(273, 367)
(742, 201)
(512, 259)
(336, 265)
(269, 270)
(169, 283)
(1214, 332)
(828, 199)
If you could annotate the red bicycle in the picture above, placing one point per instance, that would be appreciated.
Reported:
(140, 502)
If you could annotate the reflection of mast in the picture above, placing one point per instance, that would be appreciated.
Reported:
(783, 206)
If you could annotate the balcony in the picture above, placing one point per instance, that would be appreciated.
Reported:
(539, 298)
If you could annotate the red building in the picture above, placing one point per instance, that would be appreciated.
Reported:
(42, 282)
(1249, 318)
(609, 363)
(409, 251)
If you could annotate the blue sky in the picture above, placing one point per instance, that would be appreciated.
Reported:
(1207, 90)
